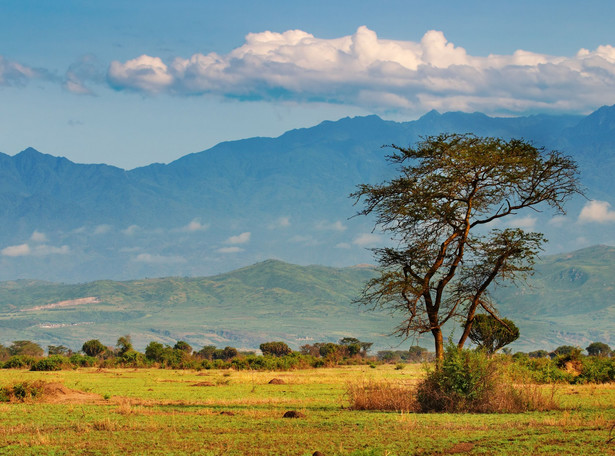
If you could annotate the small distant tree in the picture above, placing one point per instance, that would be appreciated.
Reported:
(58, 350)
(538, 354)
(183, 346)
(25, 347)
(491, 333)
(207, 352)
(567, 350)
(310, 349)
(355, 346)
(598, 349)
(124, 345)
(226, 353)
(155, 351)
(93, 347)
(417, 354)
(275, 349)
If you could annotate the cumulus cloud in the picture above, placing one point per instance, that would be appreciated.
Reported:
(37, 236)
(229, 250)
(366, 70)
(158, 259)
(367, 239)
(194, 226)
(335, 226)
(242, 238)
(37, 250)
(597, 211)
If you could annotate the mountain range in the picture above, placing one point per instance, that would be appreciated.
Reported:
(246, 201)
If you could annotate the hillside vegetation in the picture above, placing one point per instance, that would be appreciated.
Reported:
(568, 301)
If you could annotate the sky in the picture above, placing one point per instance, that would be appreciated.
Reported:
(130, 83)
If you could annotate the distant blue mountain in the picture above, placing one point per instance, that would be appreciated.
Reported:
(77, 222)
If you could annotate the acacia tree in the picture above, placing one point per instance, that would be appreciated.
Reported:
(438, 213)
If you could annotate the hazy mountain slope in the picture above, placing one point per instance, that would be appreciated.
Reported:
(568, 301)
(72, 222)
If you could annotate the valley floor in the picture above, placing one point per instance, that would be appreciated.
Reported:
(166, 412)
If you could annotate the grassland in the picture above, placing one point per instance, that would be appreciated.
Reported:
(220, 412)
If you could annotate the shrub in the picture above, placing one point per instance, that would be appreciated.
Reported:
(19, 362)
(51, 363)
(469, 381)
(381, 395)
(82, 360)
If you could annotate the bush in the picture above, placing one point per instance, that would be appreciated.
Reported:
(51, 363)
(20, 392)
(82, 360)
(469, 381)
(19, 362)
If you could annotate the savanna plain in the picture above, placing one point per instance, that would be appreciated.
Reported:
(97, 411)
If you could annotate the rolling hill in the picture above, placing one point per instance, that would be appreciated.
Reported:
(569, 300)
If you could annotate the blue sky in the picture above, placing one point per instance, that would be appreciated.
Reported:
(131, 83)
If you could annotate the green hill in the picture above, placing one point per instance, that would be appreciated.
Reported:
(568, 301)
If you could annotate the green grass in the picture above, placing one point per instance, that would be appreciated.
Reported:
(161, 412)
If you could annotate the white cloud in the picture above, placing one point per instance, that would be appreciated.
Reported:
(239, 239)
(367, 239)
(131, 230)
(597, 211)
(37, 236)
(37, 250)
(194, 226)
(343, 245)
(526, 223)
(229, 250)
(335, 226)
(145, 73)
(158, 259)
(102, 229)
(16, 250)
(366, 70)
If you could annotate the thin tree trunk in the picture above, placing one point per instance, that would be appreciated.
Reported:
(439, 342)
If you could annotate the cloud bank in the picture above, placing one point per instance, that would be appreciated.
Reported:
(365, 70)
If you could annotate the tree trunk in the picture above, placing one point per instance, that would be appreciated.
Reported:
(439, 342)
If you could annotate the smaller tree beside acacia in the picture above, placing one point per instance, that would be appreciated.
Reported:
(491, 334)
(438, 212)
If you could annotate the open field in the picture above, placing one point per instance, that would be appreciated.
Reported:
(162, 412)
